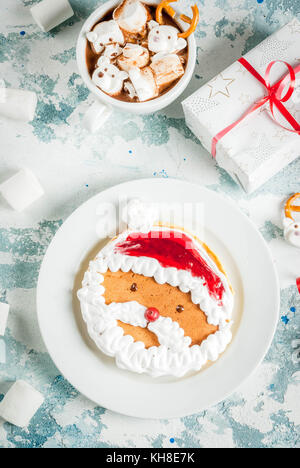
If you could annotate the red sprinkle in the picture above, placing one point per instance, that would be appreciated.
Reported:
(173, 249)
(151, 314)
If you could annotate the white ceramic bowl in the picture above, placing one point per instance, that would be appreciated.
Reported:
(147, 107)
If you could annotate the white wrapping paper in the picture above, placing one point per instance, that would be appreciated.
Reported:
(257, 148)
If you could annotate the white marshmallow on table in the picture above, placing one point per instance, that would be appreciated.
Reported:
(96, 116)
(131, 16)
(133, 55)
(18, 104)
(144, 83)
(20, 404)
(4, 311)
(296, 344)
(163, 38)
(21, 190)
(106, 32)
(2, 351)
(291, 231)
(108, 77)
(167, 68)
(296, 354)
(50, 13)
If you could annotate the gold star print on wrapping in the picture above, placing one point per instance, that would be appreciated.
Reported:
(220, 85)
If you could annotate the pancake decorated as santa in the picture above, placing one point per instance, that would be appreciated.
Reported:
(157, 299)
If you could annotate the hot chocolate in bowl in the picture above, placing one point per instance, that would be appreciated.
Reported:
(127, 99)
(92, 56)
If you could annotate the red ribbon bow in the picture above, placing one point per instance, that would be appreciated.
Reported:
(274, 97)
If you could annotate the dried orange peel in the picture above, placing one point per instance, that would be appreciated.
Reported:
(289, 207)
(165, 5)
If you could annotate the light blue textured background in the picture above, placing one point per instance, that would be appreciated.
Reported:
(72, 166)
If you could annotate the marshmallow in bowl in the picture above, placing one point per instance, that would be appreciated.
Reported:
(133, 55)
(112, 51)
(167, 68)
(129, 89)
(108, 77)
(106, 32)
(132, 17)
(163, 38)
(144, 83)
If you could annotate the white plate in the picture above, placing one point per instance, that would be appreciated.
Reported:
(249, 265)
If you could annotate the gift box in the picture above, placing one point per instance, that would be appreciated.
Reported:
(247, 116)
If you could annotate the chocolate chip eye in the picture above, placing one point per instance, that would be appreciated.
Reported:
(157, 32)
(180, 308)
(296, 226)
(110, 39)
(101, 75)
(112, 76)
(169, 37)
(133, 287)
(105, 69)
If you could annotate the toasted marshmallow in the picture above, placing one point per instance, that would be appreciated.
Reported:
(164, 38)
(129, 88)
(167, 68)
(107, 32)
(108, 77)
(112, 51)
(132, 17)
(133, 55)
(144, 83)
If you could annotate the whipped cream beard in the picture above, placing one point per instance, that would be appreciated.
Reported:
(203, 283)
(152, 55)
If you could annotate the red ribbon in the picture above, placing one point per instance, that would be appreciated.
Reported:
(274, 97)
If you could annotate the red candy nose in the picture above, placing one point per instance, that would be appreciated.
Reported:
(151, 314)
(298, 284)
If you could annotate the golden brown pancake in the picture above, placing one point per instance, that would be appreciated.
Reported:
(165, 298)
